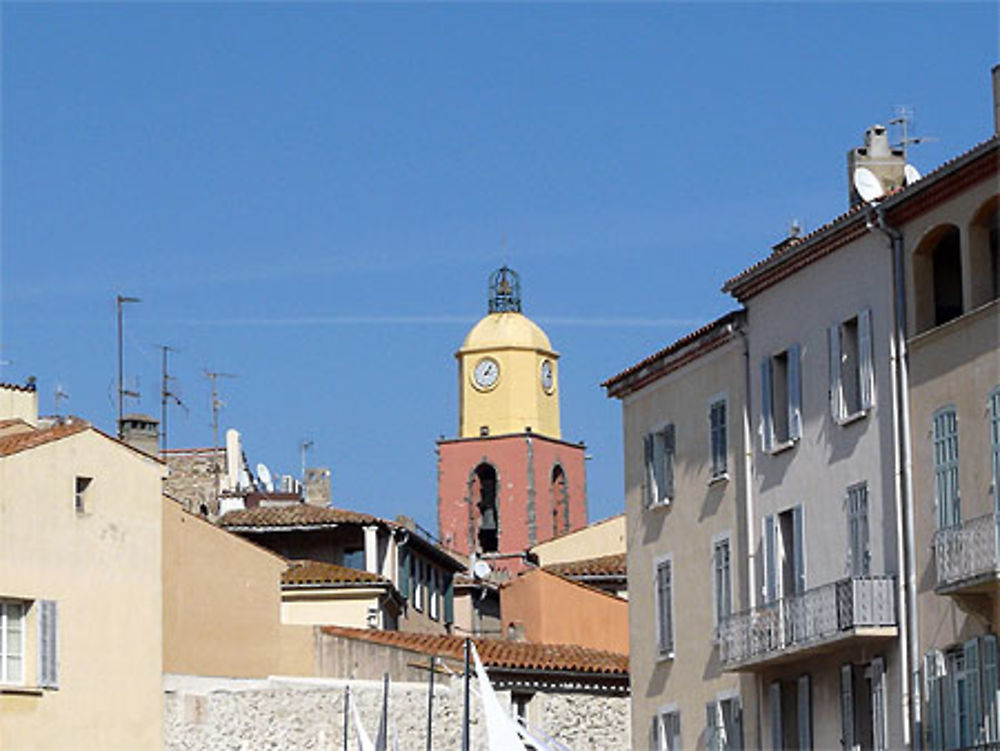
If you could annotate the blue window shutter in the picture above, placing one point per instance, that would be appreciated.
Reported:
(935, 736)
(836, 400)
(879, 730)
(847, 707)
(670, 445)
(973, 699)
(770, 559)
(766, 406)
(866, 369)
(799, 548)
(988, 655)
(805, 713)
(649, 489)
(774, 707)
(404, 572)
(449, 598)
(794, 393)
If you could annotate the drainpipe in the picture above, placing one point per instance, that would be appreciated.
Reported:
(910, 647)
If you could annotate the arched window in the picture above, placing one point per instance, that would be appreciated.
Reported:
(937, 266)
(984, 241)
(559, 497)
(484, 492)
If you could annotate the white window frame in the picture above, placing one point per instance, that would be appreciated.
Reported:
(863, 368)
(663, 743)
(717, 539)
(718, 466)
(8, 621)
(728, 695)
(653, 495)
(946, 468)
(664, 652)
(433, 607)
(418, 585)
(770, 442)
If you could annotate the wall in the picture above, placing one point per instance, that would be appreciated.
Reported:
(103, 569)
(554, 610)
(601, 538)
(221, 600)
(340, 607)
(282, 716)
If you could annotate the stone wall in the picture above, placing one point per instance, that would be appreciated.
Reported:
(231, 715)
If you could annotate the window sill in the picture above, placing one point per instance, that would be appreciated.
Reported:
(779, 448)
(852, 418)
(665, 656)
(22, 690)
(718, 479)
(662, 504)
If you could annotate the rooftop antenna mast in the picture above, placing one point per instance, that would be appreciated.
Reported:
(59, 395)
(166, 396)
(217, 404)
(305, 446)
(120, 301)
(904, 118)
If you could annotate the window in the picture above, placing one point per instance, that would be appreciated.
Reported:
(559, 498)
(418, 586)
(722, 600)
(666, 730)
(962, 687)
(485, 492)
(790, 714)
(852, 385)
(665, 608)
(783, 554)
(12, 641)
(994, 408)
(946, 468)
(80, 495)
(723, 724)
(354, 558)
(659, 449)
(781, 399)
(717, 437)
(858, 553)
(434, 607)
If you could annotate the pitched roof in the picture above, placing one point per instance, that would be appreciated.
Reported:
(604, 566)
(293, 515)
(17, 442)
(307, 573)
(497, 653)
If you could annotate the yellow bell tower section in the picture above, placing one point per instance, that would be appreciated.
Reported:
(507, 370)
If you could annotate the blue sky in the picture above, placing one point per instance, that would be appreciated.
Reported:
(311, 196)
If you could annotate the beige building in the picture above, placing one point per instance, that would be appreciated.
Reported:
(596, 540)
(80, 589)
(683, 413)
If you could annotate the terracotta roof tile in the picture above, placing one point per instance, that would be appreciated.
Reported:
(304, 573)
(13, 444)
(298, 514)
(497, 653)
(606, 565)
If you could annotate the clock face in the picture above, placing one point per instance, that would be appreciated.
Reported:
(486, 373)
(548, 376)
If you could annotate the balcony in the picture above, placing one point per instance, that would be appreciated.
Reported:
(804, 625)
(967, 556)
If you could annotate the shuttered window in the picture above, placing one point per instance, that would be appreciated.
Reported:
(847, 707)
(665, 608)
(718, 437)
(946, 468)
(804, 710)
(722, 602)
(781, 399)
(48, 644)
(665, 733)
(852, 375)
(962, 695)
(12, 641)
(880, 730)
(858, 553)
(659, 449)
(724, 725)
(774, 716)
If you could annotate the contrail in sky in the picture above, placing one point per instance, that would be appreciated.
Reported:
(434, 320)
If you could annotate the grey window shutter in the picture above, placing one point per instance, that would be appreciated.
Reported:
(866, 370)
(675, 731)
(847, 707)
(668, 461)
(655, 731)
(836, 398)
(988, 655)
(769, 559)
(949, 706)
(404, 572)
(805, 713)
(650, 488)
(766, 406)
(794, 393)
(774, 707)
(880, 735)
(736, 742)
(799, 547)
(973, 699)
(48, 644)
(711, 727)
(449, 598)
(935, 737)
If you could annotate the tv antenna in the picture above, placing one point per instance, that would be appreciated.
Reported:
(120, 301)
(167, 396)
(904, 119)
(217, 404)
(59, 395)
(305, 446)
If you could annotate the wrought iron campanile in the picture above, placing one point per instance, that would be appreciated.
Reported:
(505, 291)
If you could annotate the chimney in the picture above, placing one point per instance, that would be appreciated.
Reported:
(885, 162)
(19, 402)
(318, 486)
(141, 432)
(996, 99)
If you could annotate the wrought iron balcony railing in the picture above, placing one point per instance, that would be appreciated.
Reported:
(967, 553)
(814, 617)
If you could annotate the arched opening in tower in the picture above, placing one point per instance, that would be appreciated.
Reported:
(486, 499)
(560, 501)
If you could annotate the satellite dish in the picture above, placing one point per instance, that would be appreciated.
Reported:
(481, 569)
(910, 174)
(867, 185)
(264, 475)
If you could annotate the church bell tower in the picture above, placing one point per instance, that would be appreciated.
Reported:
(508, 481)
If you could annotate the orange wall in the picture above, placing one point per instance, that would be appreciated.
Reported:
(222, 604)
(554, 610)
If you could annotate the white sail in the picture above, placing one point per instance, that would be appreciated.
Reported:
(364, 740)
(501, 730)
